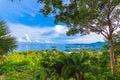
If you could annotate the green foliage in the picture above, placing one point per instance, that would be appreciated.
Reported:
(7, 43)
(56, 65)
(83, 16)
(116, 40)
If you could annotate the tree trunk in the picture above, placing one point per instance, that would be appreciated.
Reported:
(112, 57)
(78, 76)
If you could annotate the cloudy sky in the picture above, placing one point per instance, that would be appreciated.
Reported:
(27, 24)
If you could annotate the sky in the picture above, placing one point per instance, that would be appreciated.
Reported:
(27, 24)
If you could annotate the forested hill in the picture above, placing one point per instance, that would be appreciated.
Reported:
(97, 46)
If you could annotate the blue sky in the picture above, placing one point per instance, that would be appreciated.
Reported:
(27, 24)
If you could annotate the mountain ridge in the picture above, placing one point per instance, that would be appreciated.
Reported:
(94, 43)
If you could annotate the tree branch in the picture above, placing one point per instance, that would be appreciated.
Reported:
(117, 25)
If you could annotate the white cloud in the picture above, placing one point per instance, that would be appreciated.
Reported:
(60, 29)
(53, 34)
(47, 41)
(86, 39)
(27, 38)
(25, 33)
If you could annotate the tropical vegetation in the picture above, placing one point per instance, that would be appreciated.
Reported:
(7, 42)
(116, 40)
(57, 65)
(81, 16)
(85, 16)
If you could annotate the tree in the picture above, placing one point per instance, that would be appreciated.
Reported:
(7, 43)
(76, 65)
(116, 40)
(85, 16)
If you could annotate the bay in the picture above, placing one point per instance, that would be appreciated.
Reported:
(23, 46)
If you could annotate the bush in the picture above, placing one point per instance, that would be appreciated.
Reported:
(54, 65)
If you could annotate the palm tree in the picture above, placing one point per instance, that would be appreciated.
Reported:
(62, 66)
(75, 66)
(58, 64)
(7, 42)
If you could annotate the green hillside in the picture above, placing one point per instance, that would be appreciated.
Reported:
(56, 65)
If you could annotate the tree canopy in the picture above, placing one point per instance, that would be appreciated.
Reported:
(7, 42)
(85, 16)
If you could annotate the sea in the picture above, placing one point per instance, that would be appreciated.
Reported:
(23, 46)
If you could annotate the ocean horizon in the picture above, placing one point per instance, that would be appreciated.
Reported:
(23, 46)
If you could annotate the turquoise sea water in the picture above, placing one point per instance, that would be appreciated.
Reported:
(23, 46)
